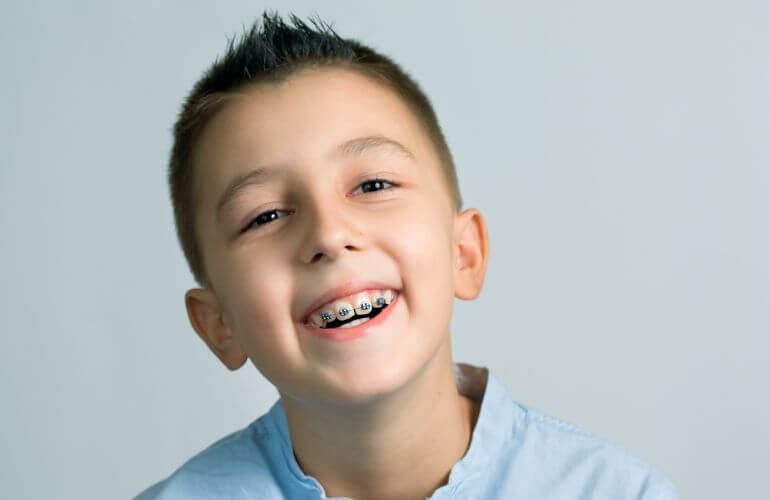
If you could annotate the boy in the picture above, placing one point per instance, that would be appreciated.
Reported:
(317, 205)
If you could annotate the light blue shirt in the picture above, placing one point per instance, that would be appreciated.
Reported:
(516, 452)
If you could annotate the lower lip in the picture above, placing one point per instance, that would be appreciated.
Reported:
(354, 332)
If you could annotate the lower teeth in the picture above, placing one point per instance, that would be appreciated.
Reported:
(355, 322)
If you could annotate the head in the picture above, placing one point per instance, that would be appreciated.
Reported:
(308, 168)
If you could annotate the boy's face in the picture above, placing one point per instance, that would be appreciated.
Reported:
(314, 141)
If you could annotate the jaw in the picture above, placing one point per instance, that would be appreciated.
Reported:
(374, 390)
(362, 370)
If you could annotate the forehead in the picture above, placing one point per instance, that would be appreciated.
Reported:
(300, 122)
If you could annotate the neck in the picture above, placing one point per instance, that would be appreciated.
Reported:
(402, 446)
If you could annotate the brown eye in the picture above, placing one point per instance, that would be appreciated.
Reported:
(266, 217)
(373, 185)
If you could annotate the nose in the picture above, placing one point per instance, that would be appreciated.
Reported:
(329, 234)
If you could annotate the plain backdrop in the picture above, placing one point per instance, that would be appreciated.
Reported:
(619, 151)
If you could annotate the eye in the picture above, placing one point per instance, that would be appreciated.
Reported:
(373, 185)
(266, 217)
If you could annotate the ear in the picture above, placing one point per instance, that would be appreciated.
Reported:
(470, 253)
(208, 321)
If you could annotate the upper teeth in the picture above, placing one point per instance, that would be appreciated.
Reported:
(363, 304)
(360, 304)
(344, 310)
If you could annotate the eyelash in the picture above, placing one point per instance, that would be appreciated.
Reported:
(255, 221)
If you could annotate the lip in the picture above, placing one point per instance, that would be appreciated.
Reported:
(352, 333)
(343, 290)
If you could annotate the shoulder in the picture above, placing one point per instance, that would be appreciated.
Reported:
(582, 463)
(239, 462)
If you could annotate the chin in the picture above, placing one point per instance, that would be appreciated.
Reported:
(367, 384)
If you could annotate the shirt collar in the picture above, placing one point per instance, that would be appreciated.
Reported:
(494, 425)
(493, 429)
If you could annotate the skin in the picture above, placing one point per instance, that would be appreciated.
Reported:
(378, 417)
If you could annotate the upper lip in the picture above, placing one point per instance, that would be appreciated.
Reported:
(343, 290)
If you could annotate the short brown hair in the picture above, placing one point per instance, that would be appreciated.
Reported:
(270, 53)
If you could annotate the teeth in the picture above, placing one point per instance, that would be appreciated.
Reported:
(344, 310)
(378, 300)
(355, 322)
(363, 304)
(318, 319)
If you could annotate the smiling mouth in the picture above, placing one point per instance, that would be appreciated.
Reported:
(353, 310)
(353, 327)
(354, 320)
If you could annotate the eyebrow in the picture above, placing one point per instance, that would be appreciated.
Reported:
(360, 145)
(352, 147)
(257, 176)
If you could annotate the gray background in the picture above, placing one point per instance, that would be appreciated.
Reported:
(619, 151)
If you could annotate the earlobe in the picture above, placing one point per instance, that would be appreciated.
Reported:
(471, 249)
(208, 321)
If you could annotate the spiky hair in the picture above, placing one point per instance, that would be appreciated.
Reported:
(270, 52)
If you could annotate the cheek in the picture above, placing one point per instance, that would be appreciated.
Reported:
(259, 289)
(425, 257)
